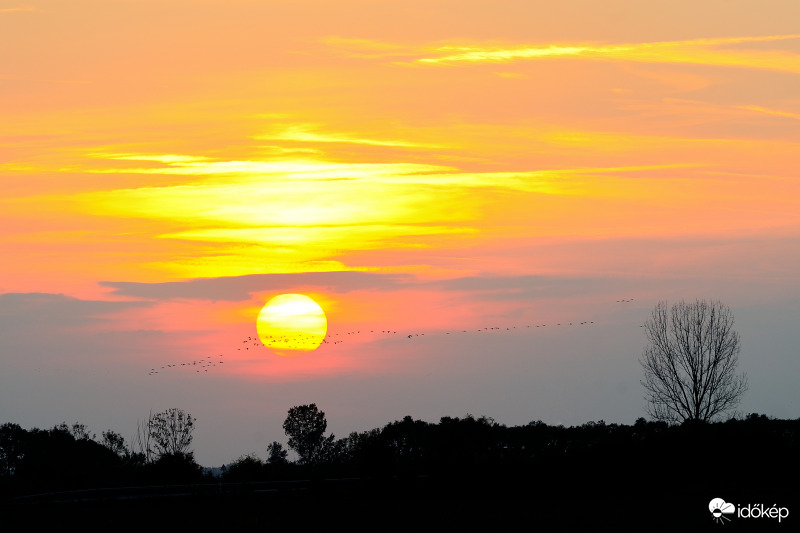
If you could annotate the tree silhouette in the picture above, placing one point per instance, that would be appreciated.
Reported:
(171, 432)
(305, 426)
(116, 443)
(78, 431)
(246, 468)
(690, 362)
(276, 455)
(12, 447)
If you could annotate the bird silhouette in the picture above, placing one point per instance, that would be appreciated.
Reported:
(304, 341)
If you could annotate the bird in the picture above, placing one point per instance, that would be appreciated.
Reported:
(304, 341)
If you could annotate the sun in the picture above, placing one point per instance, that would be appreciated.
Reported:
(291, 324)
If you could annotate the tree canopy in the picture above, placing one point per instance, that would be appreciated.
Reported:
(690, 362)
(305, 426)
(171, 432)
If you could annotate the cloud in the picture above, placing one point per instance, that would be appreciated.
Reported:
(300, 169)
(768, 111)
(43, 335)
(54, 310)
(526, 286)
(168, 159)
(18, 9)
(309, 133)
(239, 288)
(715, 52)
(367, 48)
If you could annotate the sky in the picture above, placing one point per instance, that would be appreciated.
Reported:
(426, 171)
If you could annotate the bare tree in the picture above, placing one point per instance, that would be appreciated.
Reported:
(140, 447)
(690, 362)
(171, 432)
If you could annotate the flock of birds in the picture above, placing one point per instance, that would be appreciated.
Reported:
(307, 342)
(198, 365)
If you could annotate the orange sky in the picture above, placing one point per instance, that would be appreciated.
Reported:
(469, 162)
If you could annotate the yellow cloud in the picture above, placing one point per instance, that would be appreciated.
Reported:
(510, 75)
(274, 181)
(17, 9)
(284, 150)
(314, 203)
(307, 133)
(767, 111)
(246, 259)
(166, 158)
(295, 169)
(367, 48)
(367, 236)
(697, 51)
(265, 213)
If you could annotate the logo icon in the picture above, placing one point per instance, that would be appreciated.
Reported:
(719, 509)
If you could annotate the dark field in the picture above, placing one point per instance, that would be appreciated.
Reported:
(458, 475)
(423, 503)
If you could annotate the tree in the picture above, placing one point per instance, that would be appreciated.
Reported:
(141, 449)
(78, 431)
(690, 362)
(276, 455)
(12, 447)
(305, 426)
(116, 443)
(245, 468)
(170, 432)
(177, 467)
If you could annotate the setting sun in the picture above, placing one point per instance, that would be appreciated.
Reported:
(291, 324)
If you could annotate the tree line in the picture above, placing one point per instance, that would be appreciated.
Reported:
(71, 457)
(457, 452)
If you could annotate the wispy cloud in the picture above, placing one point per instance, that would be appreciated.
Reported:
(369, 236)
(240, 288)
(165, 158)
(308, 169)
(368, 48)
(249, 216)
(18, 309)
(311, 133)
(252, 183)
(18, 9)
(768, 111)
(272, 149)
(719, 52)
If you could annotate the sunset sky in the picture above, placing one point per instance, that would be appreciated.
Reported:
(430, 168)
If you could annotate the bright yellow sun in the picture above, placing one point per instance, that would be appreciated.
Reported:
(291, 324)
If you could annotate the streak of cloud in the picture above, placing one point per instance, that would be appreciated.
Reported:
(299, 169)
(19, 310)
(697, 51)
(240, 288)
(768, 111)
(18, 9)
(308, 133)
